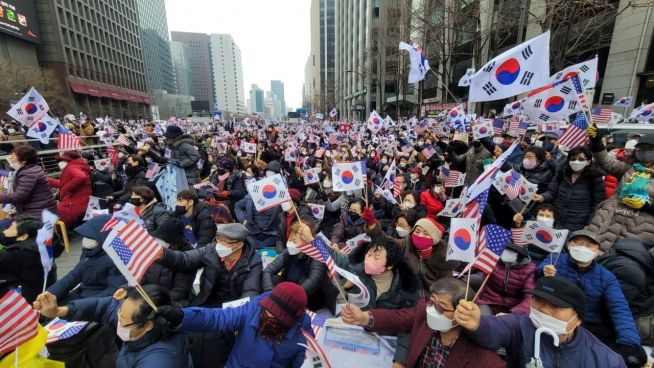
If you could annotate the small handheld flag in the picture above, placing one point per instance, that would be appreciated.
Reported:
(268, 192)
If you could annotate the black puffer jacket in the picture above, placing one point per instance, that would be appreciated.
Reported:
(138, 179)
(204, 227)
(575, 202)
(304, 271)
(540, 175)
(183, 150)
(244, 279)
(633, 265)
(154, 216)
(20, 265)
(178, 283)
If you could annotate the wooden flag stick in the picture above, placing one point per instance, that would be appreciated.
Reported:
(467, 285)
(146, 297)
(481, 287)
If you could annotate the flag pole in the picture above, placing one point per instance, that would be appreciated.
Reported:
(481, 287)
(145, 296)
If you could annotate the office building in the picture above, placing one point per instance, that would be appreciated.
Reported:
(256, 100)
(182, 68)
(153, 26)
(227, 71)
(277, 88)
(322, 56)
(199, 55)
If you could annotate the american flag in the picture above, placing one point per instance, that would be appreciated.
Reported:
(519, 126)
(396, 188)
(19, 321)
(313, 345)
(475, 207)
(428, 151)
(122, 139)
(364, 170)
(112, 155)
(516, 236)
(579, 89)
(317, 249)
(498, 126)
(136, 250)
(575, 135)
(317, 321)
(407, 148)
(452, 177)
(601, 115)
(4, 176)
(421, 126)
(68, 141)
(72, 329)
(493, 239)
(153, 169)
(514, 183)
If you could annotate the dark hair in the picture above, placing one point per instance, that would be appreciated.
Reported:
(188, 194)
(539, 152)
(360, 201)
(547, 207)
(393, 254)
(455, 288)
(295, 225)
(254, 169)
(26, 154)
(159, 296)
(26, 224)
(411, 216)
(144, 192)
(138, 159)
(580, 150)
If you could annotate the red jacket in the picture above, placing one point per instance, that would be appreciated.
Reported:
(414, 320)
(433, 204)
(74, 191)
(504, 291)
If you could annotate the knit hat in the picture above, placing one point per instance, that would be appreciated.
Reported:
(287, 302)
(173, 131)
(431, 227)
(295, 194)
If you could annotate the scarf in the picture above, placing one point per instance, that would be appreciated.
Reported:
(270, 328)
(636, 185)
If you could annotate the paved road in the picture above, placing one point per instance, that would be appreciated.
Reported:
(67, 261)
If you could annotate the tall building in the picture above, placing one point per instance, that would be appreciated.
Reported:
(199, 55)
(153, 26)
(96, 55)
(227, 71)
(256, 100)
(323, 54)
(277, 88)
(182, 68)
(306, 86)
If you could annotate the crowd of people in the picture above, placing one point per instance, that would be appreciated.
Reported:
(596, 296)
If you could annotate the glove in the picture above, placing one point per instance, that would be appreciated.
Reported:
(595, 136)
(173, 315)
(369, 217)
(633, 355)
(634, 203)
(223, 194)
(591, 131)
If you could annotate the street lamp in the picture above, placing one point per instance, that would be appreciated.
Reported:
(377, 83)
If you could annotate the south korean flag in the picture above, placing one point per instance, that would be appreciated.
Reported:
(42, 128)
(347, 176)
(268, 192)
(518, 70)
(554, 103)
(587, 73)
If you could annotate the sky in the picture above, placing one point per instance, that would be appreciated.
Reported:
(274, 37)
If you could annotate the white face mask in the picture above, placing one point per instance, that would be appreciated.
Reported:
(509, 256)
(401, 232)
(62, 164)
(222, 250)
(578, 165)
(545, 220)
(326, 183)
(123, 333)
(88, 243)
(384, 161)
(11, 131)
(292, 248)
(540, 319)
(409, 204)
(270, 173)
(582, 254)
(414, 176)
(438, 322)
(286, 206)
(15, 165)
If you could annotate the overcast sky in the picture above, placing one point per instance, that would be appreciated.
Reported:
(274, 37)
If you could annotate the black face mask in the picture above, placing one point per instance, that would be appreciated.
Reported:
(221, 171)
(354, 216)
(459, 147)
(180, 210)
(132, 170)
(136, 201)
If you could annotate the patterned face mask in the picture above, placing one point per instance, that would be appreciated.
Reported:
(270, 327)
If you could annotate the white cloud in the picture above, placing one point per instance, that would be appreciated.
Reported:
(274, 36)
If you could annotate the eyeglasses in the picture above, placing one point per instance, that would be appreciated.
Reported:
(430, 303)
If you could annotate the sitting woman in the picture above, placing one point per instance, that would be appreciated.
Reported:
(351, 224)
(381, 267)
(505, 289)
(294, 266)
(404, 222)
(153, 212)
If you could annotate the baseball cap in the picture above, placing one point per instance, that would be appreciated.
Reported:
(560, 293)
(511, 133)
(588, 234)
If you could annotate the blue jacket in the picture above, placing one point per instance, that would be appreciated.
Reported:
(95, 273)
(516, 334)
(250, 350)
(600, 286)
(173, 352)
